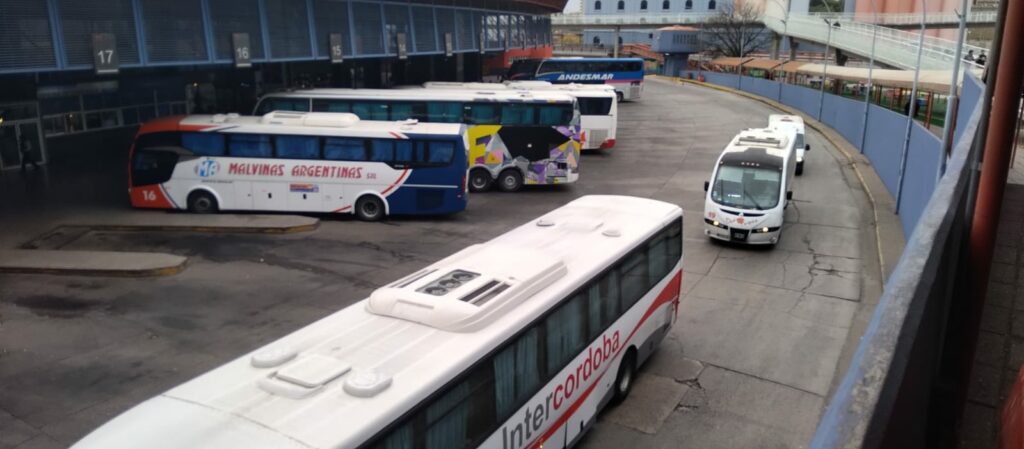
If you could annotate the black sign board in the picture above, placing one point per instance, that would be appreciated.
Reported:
(243, 51)
(449, 46)
(104, 53)
(403, 50)
(334, 45)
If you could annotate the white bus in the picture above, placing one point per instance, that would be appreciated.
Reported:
(304, 162)
(513, 343)
(796, 124)
(751, 187)
(515, 138)
(598, 105)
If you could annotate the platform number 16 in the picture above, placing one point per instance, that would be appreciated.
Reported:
(243, 53)
(149, 195)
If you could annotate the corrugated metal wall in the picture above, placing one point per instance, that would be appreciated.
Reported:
(46, 35)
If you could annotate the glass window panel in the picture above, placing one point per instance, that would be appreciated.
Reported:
(401, 111)
(440, 112)
(403, 151)
(441, 152)
(371, 111)
(297, 147)
(657, 255)
(282, 104)
(331, 106)
(382, 150)
(555, 115)
(483, 113)
(517, 373)
(518, 114)
(339, 149)
(634, 278)
(204, 144)
(250, 145)
(566, 329)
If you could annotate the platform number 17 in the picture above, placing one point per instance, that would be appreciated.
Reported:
(106, 56)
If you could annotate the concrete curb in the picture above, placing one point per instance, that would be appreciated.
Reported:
(219, 223)
(890, 223)
(90, 263)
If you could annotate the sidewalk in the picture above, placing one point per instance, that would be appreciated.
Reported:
(1000, 350)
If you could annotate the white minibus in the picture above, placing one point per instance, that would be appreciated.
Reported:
(780, 121)
(750, 187)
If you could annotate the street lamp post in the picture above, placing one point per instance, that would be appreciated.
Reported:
(913, 109)
(824, 71)
(954, 98)
(871, 68)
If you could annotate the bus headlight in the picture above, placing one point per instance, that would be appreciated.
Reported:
(763, 230)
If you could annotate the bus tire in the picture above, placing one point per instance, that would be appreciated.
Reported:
(619, 96)
(202, 202)
(799, 168)
(369, 208)
(480, 180)
(625, 378)
(510, 180)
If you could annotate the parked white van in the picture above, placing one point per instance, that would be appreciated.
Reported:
(780, 121)
(751, 186)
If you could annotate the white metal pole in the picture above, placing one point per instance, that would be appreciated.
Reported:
(824, 71)
(954, 98)
(913, 109)
(871, 68)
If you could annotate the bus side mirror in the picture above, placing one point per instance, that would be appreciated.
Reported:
(807, 147)
(706, 185)
(789, 195)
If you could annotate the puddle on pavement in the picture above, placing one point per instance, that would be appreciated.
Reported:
(55, 306)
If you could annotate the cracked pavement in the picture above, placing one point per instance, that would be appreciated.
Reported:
(749, 364)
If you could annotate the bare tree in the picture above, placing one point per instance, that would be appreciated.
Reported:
(735, 31)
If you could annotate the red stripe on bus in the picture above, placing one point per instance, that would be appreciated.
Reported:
(343, 209)
(397, 136)
(396, 183)
(668, 294)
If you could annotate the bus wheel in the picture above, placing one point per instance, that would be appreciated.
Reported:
(619, 96)
(480, 180)
(369, 208)
(799, 168)
(627, 374)
(510, 180)
(202, 202)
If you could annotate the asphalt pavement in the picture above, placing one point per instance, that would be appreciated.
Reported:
(749, 364)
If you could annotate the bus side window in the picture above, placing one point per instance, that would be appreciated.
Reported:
(444, 112)
(604, 302)
(465, 414)
(634, 278)
(565, 332)
(322, 105)
(297, 147)
(403, 152)
(658, 259)
(283, 104)
(441, 153)
(555, 115)
(204, 144)
(482, 113)
(382, 150)
(518, 114)
(341, 149)
(371, 110)
(675, 242)
(517, 373)
(250, 145)
(401, 111)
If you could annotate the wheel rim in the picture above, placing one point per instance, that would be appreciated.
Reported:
(479, 182)
(203, 203)
(370, 209)
(510, 181)
(627, 378)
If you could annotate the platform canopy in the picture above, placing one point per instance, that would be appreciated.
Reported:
(764, 64)
(729, 61)
(929, 81)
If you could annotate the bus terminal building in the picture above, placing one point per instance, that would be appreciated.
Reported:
(81, 75)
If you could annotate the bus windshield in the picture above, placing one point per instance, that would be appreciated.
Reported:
(523, 69)
(747, 187)
(594, 106)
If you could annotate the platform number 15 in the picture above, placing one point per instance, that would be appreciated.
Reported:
(336, 50)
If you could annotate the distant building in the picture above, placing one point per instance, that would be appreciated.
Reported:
(646, 36)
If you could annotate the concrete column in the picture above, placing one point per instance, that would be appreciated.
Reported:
(615, 43)
(792, 48)
(776, 42)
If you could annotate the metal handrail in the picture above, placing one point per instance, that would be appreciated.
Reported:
(975, 17)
